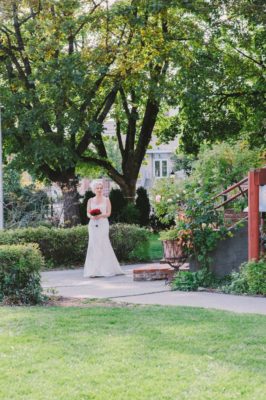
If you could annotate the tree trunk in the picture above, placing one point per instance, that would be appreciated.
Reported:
(70, 203)
(129, 191)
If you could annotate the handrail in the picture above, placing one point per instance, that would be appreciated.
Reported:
(224, 192)
(231, 188)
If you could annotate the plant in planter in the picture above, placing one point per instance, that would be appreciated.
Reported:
(198, 229)
(177, 242)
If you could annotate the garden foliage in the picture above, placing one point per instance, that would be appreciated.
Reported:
(118, 203)
(167, 195)
(83, 207)
(25, 205)
(190, 281)
(250, 279)
(20, 267)
(220, 166)
(143, 206)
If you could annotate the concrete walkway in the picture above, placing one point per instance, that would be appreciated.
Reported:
(70, 283)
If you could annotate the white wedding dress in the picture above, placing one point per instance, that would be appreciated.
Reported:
(101, 259)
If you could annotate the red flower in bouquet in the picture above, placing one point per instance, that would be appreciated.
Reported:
(95, 211)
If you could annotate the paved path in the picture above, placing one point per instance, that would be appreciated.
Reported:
(70, 283)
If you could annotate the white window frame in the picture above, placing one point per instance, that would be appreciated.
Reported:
(161, 164)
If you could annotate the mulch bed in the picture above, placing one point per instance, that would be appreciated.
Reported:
(60, 301)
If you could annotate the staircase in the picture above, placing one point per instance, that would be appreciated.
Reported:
(233, 251)
(231, 217)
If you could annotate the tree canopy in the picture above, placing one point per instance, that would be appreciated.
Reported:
(65, 66)
(222, 93)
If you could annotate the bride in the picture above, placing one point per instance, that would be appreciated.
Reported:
(101, 259)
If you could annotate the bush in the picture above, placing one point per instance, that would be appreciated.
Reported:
(185, 281)
(143, 205)
(256, 277)
(126, 238)
(59, 246)
(220, 166)
(67, 246)
(190, 281)
(83, 207)
(130, 214)
(250, 279)
(118, 202)
(23, 205)
(167, 195)
(20, 274)
(157, 226)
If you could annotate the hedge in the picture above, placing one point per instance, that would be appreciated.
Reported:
(20, 267)
(67, 246)
(126, 238)
(58, 246)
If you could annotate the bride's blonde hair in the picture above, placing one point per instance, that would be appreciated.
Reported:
(95, 183)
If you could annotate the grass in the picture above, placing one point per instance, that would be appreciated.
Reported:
(149, 252)
(118, 353)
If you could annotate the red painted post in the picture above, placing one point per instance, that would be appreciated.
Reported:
(253, 216)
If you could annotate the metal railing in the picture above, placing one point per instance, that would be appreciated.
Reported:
(242, 192)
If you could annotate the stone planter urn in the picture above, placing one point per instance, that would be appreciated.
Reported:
(173, 252)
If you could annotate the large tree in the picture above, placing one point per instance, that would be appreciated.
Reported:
(222, 94)
(159, 37)
(66, 64)
(55, 86)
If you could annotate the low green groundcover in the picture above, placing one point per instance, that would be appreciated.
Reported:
(131, 353)
(250, 279)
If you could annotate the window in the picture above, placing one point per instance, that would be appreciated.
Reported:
(160, 168)
(157, 168)
(164, 168)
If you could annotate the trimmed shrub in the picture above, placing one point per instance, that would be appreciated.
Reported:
(130, 214)
(126, 238)
(118, 202)
(20, 274)
(143, 205)
(67, 246)
(59, 246)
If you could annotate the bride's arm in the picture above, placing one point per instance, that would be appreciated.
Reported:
(108, 209)
(88, 210)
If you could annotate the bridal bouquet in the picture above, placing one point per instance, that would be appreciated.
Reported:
(95, 211)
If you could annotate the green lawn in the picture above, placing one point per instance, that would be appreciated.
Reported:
(134, 353)
(150, 251)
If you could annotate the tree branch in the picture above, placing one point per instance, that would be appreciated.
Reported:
(259, 63)
(125, 104)
(239, 94)
(119, 137)
(112, 172)
(20, 42)
(99, 117)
